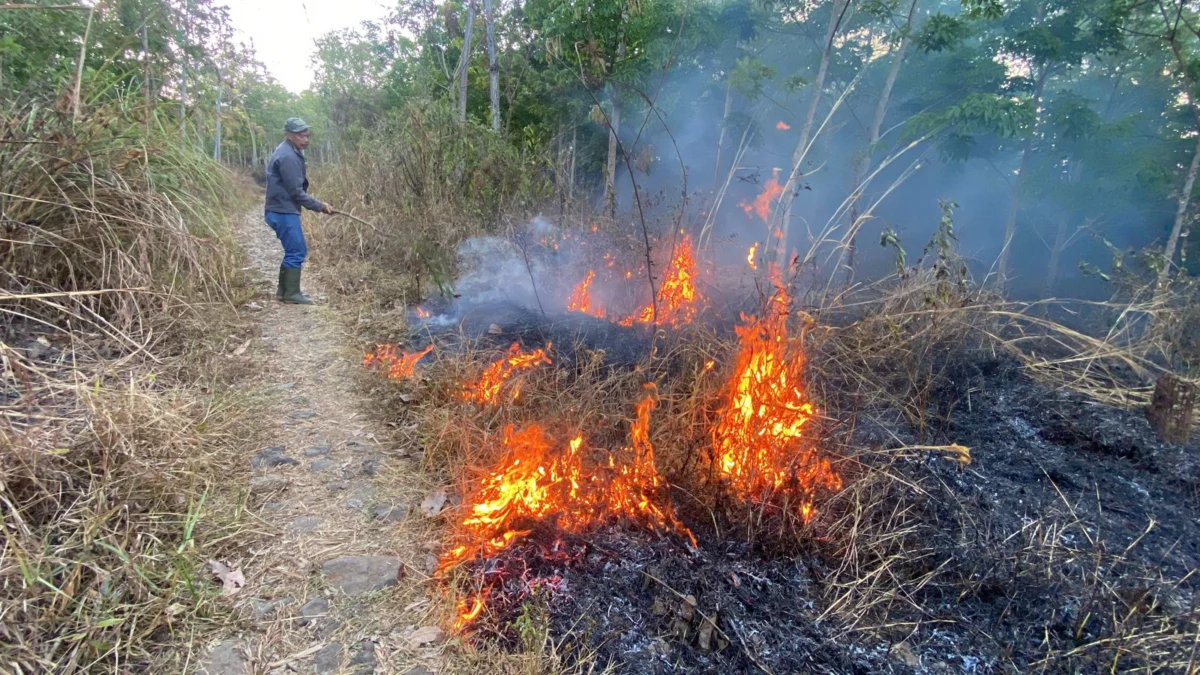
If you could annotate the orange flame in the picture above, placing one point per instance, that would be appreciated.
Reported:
(750, 256)
(760, 437)
(762, 203)
(397, 364)
(678, 298)
(422, 312)
(783, 126)
(539, 482)
(580, 299)
(487, 389)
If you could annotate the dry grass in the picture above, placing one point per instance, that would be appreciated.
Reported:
(119, 431)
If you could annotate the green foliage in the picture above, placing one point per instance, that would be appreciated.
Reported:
(750, 76)
(942, 33)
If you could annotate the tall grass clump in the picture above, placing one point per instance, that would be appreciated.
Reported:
(116, 266)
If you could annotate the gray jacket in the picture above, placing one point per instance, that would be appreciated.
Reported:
(287, 182)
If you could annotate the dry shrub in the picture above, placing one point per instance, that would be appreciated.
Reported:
(111, 213)
(424, 182)
(112, 449)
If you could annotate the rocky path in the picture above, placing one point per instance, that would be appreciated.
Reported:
(338, 582)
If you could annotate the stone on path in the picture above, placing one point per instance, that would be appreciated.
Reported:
(418, 670)
(357, 574)
(316, 451)
(319, 465)
(313, 610)
(363, 656)
(303, 525)
(328, 659)
(266, 609)
(391, 513)
(227, 658)
(370, 466)
(361, 495)
(303, 415)
(338, 485)
(265, 484)
(271, 457)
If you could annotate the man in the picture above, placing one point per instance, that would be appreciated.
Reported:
(287, 192)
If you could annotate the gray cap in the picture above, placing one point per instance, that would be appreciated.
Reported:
(295, 125)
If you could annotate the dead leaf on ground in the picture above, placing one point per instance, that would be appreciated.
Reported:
(495, 329)
(434, 503)
(425, 635)
(905, 653)
(232, 581)
(242, 349)
(706, 633)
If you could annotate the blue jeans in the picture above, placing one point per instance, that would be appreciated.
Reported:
(287, 228)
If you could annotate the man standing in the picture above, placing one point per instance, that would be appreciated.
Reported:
(287, 192)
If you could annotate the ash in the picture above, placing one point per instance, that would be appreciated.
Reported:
(1115, 510)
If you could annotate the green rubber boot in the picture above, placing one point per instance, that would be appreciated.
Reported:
(291, 287)
(279, 291)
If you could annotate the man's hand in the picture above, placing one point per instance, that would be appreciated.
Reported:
(328, 209)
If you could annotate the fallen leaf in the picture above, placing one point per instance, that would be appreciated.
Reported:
(231, 580)
(688, 611)
(495, 329)
(242, 349)
(706, 633)
(433, 504)
(425, 635)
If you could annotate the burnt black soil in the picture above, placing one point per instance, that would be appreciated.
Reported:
(1072, 513)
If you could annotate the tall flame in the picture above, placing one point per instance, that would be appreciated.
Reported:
(750, 256)
(487, 388)
(396, 364)
(540, 482)
(678, 298)
(581, 298)
(760, 436)
(762, 203)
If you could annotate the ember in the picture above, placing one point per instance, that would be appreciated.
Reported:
(760, 438)
(397, 364)
(487, 388)
(422, 312)
(762, 203)
(783, 126)
(540, 482)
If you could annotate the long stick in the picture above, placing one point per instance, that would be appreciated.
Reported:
(356, 219)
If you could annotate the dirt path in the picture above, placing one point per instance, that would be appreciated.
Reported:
(338, 583)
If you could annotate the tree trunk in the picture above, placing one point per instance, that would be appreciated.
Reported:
(571, 184)
(145, 62)
(610, 168)
(861, 163)
(183, 77)
(79, 66)
(1014, 199)
(1061, 232)
(217, 125)
(1185, 198)
(493, 69)
(724, 129)
(253, 142)
(464, 61)
(789, 189)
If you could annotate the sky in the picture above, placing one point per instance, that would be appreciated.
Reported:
(284, 33)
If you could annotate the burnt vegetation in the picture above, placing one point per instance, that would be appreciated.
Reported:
(613, 269)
